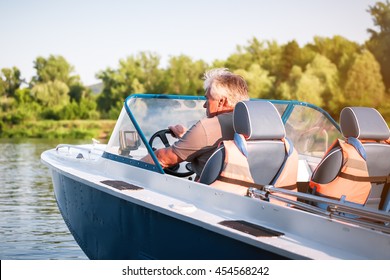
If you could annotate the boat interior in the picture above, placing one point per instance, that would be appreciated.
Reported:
(268, 125)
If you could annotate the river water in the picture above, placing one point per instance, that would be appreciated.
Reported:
(31, 226)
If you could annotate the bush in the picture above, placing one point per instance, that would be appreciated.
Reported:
(50, 114)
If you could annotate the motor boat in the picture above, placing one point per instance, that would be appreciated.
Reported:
(117, 206)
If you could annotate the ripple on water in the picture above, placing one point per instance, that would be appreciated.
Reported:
(31, 227)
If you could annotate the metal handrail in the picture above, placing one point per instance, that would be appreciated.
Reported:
(368, 217)
(73, 146)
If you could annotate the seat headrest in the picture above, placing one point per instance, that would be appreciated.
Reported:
(363, 123)
(258, 120)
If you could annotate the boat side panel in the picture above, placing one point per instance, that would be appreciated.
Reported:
(107, 227)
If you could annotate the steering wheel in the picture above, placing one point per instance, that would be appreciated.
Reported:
(173, 170)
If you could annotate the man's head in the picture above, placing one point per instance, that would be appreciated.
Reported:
(223, 91)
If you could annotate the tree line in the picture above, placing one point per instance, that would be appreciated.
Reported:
(329, 72)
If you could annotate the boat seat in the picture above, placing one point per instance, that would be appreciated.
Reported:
(261, 147)
(367, 131)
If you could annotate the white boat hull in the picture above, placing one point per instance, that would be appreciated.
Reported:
(167, 217)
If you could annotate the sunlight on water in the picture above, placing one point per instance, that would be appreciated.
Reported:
(31, 226)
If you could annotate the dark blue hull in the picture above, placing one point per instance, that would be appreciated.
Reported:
(108, 227)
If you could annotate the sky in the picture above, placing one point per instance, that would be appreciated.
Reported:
(93, 35)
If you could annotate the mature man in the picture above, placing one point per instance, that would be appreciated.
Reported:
(223, 91)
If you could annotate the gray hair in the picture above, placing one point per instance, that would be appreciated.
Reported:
(223, 83)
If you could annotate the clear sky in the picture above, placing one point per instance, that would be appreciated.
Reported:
(95, 34)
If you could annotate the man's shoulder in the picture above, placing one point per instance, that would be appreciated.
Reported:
(218, 120)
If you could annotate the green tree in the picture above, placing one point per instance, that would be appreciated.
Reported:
(55, 86)
(260, 84)
(10, 81)
(51, 93)
(290, 56)
(318, 84)
(256, 51)
(136, 74)
(184, 76)
(306, 56)
(379, 42)
(287, 89)
(143, 67)
(54, 68)
(328, 75)
(272, 57)
(112, 91)
(340, 51)
(78, 92)
(364, 85)
(303, 86)
(85, 109)
(247, 55)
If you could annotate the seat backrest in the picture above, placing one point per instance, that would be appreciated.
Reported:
(370, 129)
(260, 124)
(262, 128)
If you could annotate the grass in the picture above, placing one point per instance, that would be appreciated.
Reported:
(76, 129)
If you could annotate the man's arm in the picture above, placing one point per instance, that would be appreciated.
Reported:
(166, 157)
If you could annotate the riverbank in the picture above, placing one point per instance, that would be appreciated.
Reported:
(71, 129)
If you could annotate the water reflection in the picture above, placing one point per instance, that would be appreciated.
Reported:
(31, 226)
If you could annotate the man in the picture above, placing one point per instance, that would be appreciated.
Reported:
(223, 91)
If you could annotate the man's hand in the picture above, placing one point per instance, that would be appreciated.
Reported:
(178, 130)
(165, 156)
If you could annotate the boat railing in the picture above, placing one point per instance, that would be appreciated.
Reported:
(89, 150)
(359, 215)
(69, 146)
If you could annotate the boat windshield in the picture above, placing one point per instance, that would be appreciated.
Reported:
(143, 115)
(311, 129)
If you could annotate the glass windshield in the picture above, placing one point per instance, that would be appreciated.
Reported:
(152, 113)
(311, 131)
